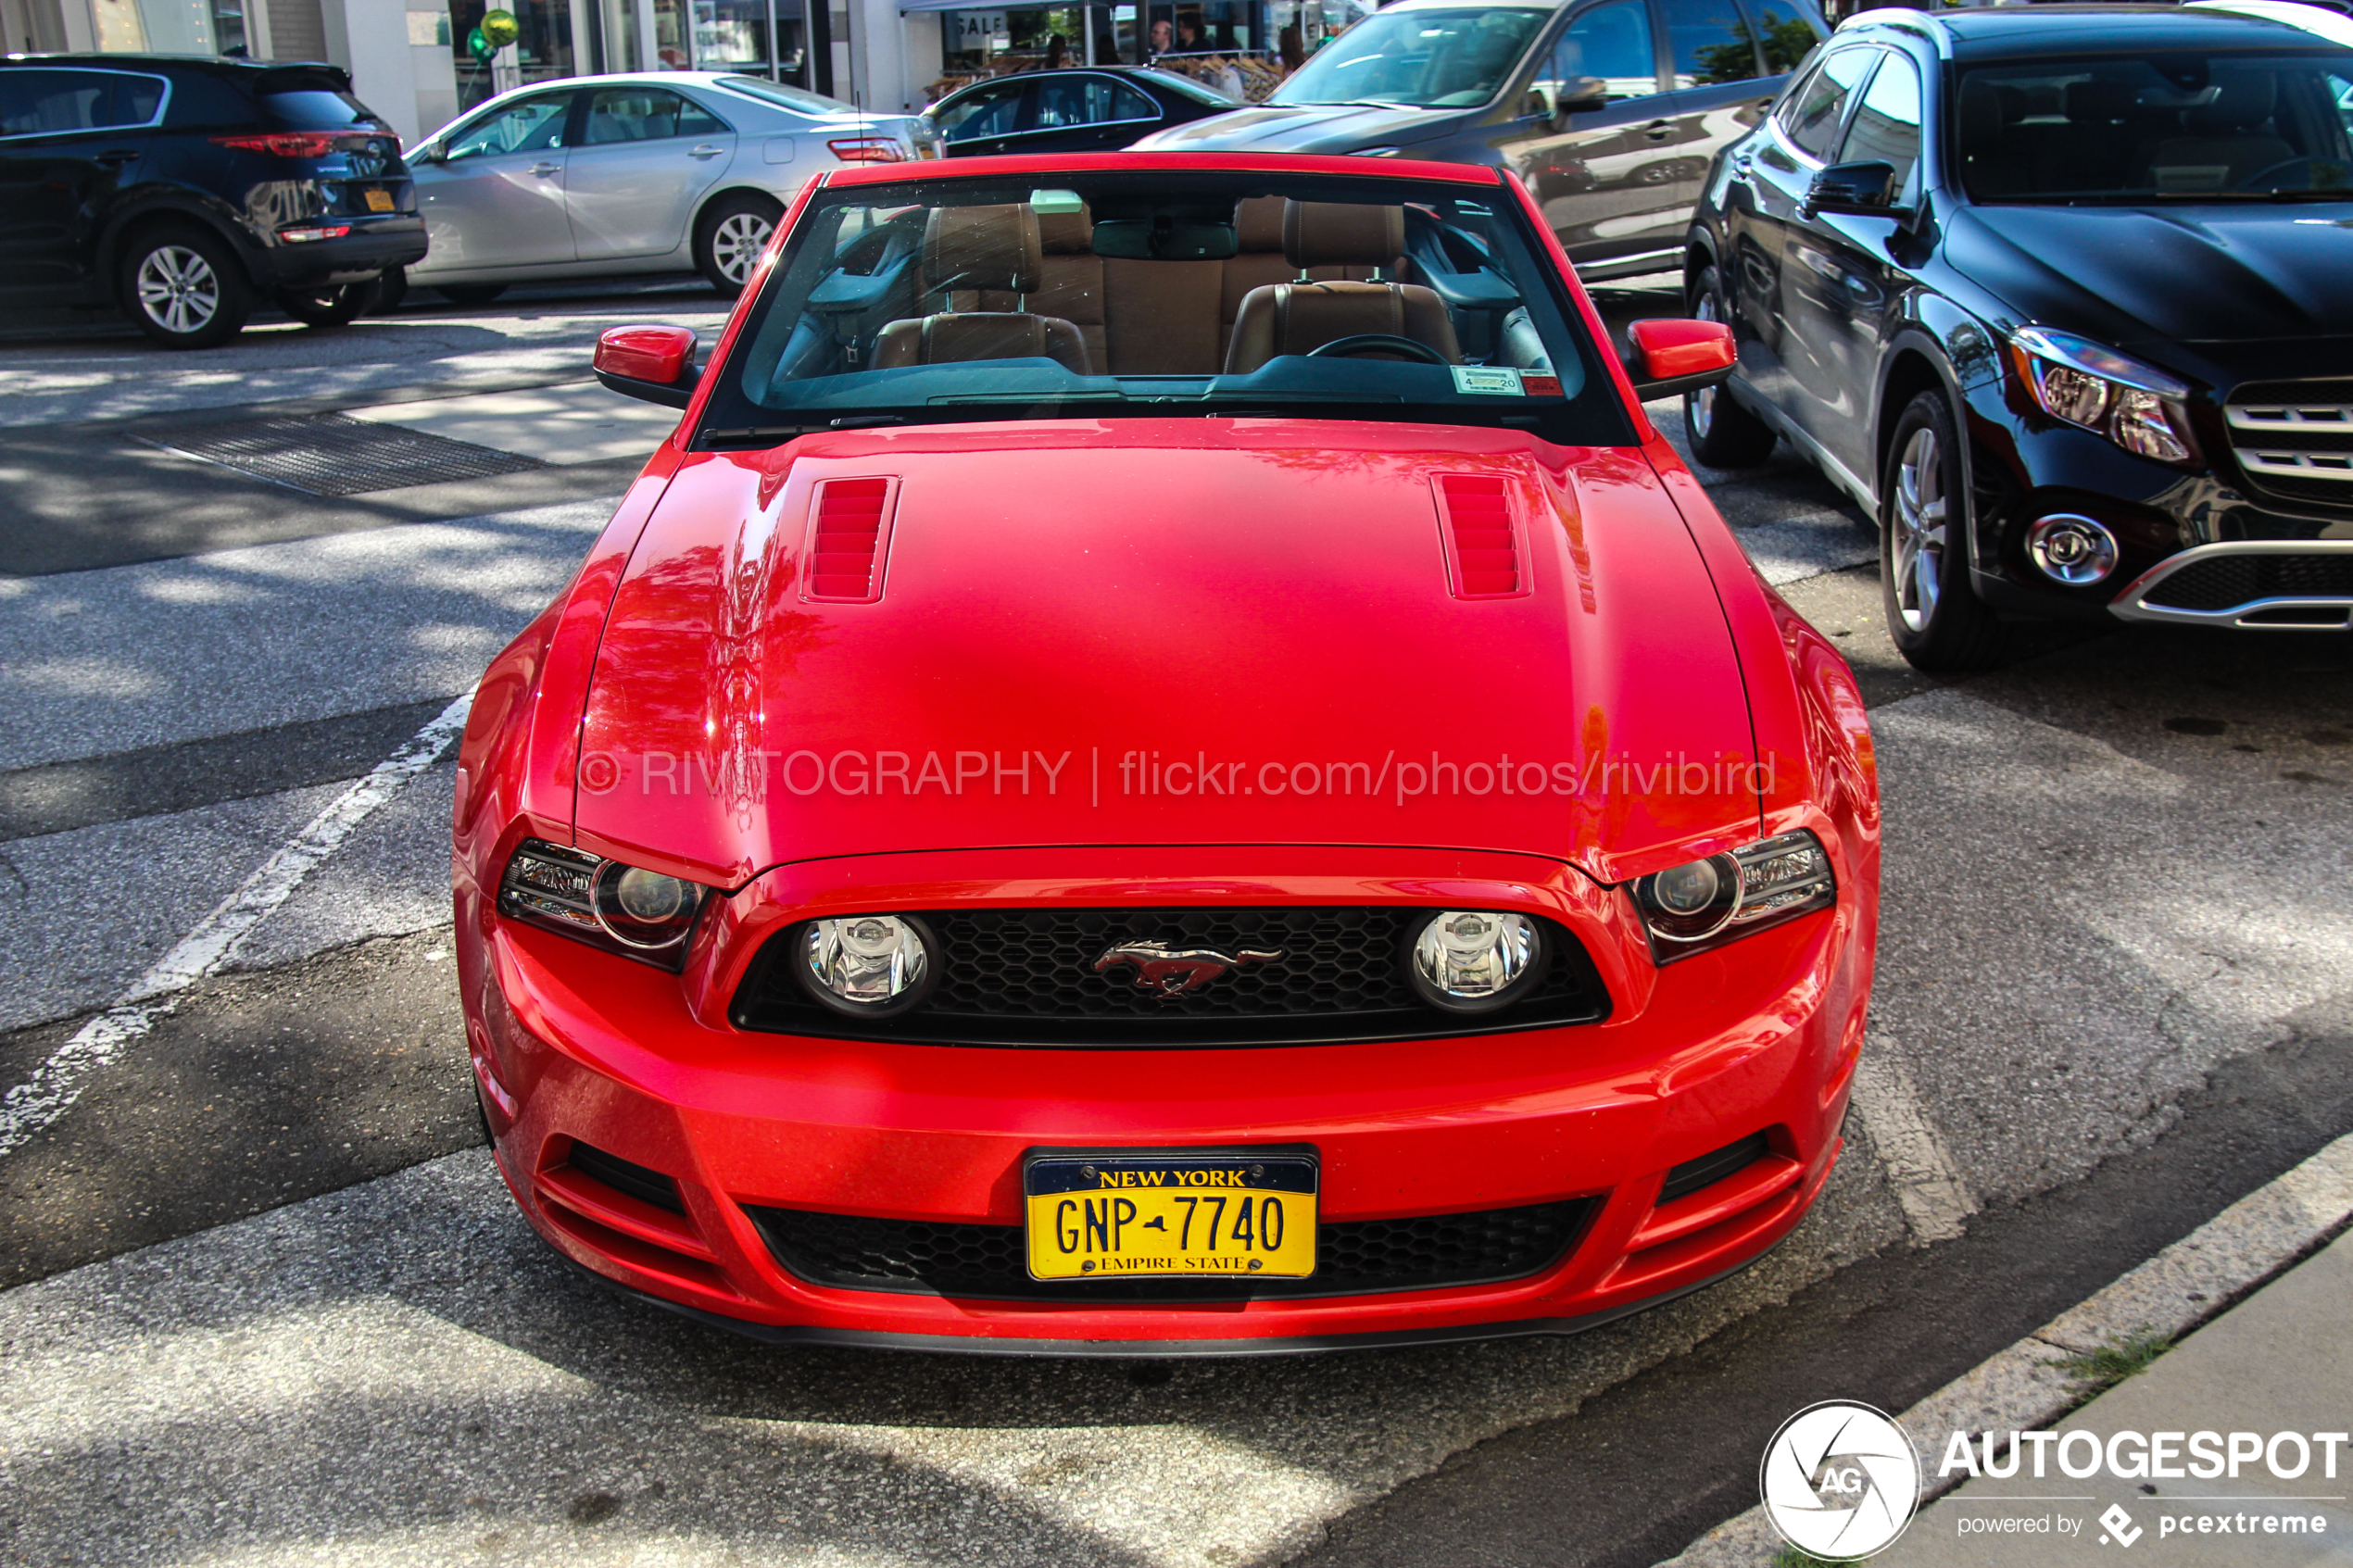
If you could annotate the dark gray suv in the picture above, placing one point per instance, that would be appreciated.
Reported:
(1610, 110)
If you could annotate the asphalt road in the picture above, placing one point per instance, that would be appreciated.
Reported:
(266, 1301)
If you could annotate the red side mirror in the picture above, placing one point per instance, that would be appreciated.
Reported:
(655, 363)
(1668, 356)
(1673, 348)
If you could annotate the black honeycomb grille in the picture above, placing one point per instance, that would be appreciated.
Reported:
(1353, 1258)
(1029, 977)
(2227, 582)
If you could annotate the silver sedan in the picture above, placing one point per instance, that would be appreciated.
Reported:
(656, 172)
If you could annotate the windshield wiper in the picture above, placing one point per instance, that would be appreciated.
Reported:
(755, 435)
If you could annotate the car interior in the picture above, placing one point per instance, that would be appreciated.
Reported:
(1183, 291)
(2127, 127)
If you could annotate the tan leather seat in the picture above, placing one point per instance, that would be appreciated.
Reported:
(1070, 282)
(1258, 262)
(1294, 318)
(996, 249)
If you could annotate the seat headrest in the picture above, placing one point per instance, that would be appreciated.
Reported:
(1342, 234)
(983, 247)
(1989, 108)
(1258, 224)
(2242, 100)
(1067, 233)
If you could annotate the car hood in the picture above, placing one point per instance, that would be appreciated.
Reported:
(2144, 277)
(1163, 631)
(1304, 127)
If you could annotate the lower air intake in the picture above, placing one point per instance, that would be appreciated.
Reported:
(1353, 1258)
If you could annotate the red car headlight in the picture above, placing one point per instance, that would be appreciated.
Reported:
(1703, 904)
(620, 908)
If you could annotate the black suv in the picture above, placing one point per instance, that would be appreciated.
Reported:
(2065, 297)
(181, 188)
(1608, 110)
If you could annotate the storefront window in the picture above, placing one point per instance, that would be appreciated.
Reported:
(733, 35)
(542, 53)
(229, 26)
(163, 27)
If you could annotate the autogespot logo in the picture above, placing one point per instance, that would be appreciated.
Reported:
(1840, 1480)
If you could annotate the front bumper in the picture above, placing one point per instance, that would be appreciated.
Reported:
(2262, 584)
(570, 1044)
(2213, 546)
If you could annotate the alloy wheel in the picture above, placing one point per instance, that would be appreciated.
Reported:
(1702, 410)
(1917, 535)
(737, 243)
(178, 290)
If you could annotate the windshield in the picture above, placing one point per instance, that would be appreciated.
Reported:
(2160, 128)
(1101, 295)
(1424, 59)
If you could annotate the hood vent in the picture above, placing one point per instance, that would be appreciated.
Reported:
(1485, 557)
(849, 540)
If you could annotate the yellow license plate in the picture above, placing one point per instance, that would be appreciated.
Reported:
(1128, 1213)
(378, 201)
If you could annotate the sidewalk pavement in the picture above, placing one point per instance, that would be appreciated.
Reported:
(2279, 1361)
(2255, 1303)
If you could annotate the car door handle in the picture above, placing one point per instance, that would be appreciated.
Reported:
(116, 154)
(1659, 130)
(545, 167)
(706, 150)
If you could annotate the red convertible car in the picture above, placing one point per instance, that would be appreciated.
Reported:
(1165, 762)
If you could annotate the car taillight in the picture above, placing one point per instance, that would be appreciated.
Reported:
(293, 144)
(314, 231)
(867, 149)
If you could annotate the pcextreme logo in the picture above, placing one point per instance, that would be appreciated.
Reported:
(1840, 1480)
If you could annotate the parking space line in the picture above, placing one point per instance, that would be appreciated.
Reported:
(56, 1084)
(1929, 1188)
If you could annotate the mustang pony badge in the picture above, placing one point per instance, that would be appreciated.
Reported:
(1172, 972)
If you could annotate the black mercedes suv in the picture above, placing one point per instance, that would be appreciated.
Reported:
(2064, 296)
(183, 189)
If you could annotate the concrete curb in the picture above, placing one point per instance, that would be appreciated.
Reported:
(2021, 1389)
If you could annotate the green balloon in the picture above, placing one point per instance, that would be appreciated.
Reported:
(481, 49)
(501, 27)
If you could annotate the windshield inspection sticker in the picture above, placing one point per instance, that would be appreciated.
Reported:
(1540, 386)
(1492, 381)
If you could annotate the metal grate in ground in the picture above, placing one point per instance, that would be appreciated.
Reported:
(332, 455)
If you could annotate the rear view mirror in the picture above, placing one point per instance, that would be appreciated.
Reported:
(653, 363)
(1667, 358)
(1163, 239)
(1863, 189)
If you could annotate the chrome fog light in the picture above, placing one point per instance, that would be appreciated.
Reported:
(867, 966)
(1476, 960)
(2072, 550)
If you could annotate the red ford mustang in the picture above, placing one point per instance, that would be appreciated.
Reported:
(1164, 762)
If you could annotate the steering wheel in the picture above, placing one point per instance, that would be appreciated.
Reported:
(1377, 343)
(2257, 179)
